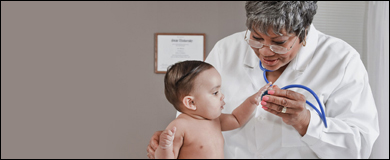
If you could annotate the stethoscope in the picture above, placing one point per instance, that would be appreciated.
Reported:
(322, 113)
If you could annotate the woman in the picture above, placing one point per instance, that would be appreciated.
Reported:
(280, 36)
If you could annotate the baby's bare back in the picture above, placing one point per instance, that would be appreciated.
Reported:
(202, 139)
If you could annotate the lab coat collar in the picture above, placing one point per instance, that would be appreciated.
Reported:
(250, 60)
(299, 63)
(305, 54)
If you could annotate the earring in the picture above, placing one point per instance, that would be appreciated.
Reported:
(304, 42)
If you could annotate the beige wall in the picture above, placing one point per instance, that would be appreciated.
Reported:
(78, 78)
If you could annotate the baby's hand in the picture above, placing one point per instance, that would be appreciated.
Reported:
(256, 98)
(166, 138)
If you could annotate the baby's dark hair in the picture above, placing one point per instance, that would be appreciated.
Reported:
(179, 80)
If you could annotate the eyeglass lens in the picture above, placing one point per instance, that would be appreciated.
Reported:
(274, 48)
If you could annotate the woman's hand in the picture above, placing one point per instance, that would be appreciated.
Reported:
(153, 144)
(295, 113)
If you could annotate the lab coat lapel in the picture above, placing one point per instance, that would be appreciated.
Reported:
(291, 137)
(298, 65)
(252, 69)
(305, 54)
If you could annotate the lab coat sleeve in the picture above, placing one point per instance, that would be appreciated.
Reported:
(352, 118)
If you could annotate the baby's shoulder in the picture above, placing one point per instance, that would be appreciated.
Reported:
(181, 123)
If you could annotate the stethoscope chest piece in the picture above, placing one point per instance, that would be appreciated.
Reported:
(265, 93)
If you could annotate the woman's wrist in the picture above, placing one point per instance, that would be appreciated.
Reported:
(302, 127)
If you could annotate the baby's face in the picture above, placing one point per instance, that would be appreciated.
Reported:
(207, 96)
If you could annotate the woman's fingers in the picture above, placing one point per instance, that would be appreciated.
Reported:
(150, 152)
(155, 139)
(276, 91)
(153, 144)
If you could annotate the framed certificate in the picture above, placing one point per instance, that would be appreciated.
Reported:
(175, 47)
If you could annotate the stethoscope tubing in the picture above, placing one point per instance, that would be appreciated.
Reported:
(321, 114)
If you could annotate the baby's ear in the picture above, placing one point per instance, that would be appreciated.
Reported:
(189, 103)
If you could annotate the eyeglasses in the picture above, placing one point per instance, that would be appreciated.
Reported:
(274, 48)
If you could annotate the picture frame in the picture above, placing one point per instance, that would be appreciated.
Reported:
(171, 48)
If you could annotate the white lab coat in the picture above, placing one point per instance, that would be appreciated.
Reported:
(327, 65)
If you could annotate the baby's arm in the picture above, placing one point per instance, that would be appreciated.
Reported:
(170, 143)
(241, 114)
(165, 147)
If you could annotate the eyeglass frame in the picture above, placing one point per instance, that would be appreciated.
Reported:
(247, 41)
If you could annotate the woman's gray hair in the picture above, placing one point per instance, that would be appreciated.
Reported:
(293, 16)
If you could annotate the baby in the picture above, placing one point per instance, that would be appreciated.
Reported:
(193, 88)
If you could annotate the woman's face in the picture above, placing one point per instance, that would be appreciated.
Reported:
(270, 59)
